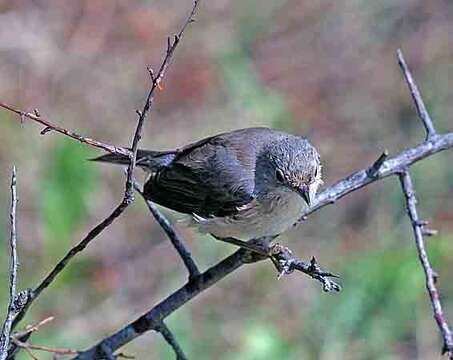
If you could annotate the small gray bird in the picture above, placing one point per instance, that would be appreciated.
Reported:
(244, 184)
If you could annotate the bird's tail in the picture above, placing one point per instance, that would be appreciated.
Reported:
(148, 160)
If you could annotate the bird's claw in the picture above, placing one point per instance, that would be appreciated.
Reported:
(282, 264)
(329, 285)
(315, 271)
(276, 249)
(284, 268)
(285, 263)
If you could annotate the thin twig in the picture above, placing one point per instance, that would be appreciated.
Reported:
(58, 351)
(171, 340)
(419, 227)
(158, 313)
(7, 326)
(48, 126)
(286, 263)
(129, 189)
(32, 328)
(392, 166)
(67, 258)
(176, 240)
(124, 356)
(381, 168)
(419, 103)
(156, 83)
(357, 180)
(30, 353)
(430, 274)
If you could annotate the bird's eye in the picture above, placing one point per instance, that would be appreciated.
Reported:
(279, 175)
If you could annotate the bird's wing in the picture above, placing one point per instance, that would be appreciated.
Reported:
(213, 177)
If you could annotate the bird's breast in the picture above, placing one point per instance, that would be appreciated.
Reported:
(270, 214)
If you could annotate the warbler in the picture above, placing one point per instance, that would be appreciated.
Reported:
(244, 184)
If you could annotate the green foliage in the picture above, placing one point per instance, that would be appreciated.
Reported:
(262, 341)
(254, 18)
(261, 104)
(256, 57)
(376, 309)
(66, 186)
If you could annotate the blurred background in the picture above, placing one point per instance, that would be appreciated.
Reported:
(323, 69)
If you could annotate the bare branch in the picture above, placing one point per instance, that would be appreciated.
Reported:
(177, 242)
(286, 263)
(284, 260)
(56, 351)
(67, 258)
(170, 339)
(392, 166)
(175, 239)
(154, 317)
(357, 180)
(7, 326)
(48, 126)
(129, 186)
(419, 104)
(430, 275)
(30, 353)
(156, 83)
(32, 328)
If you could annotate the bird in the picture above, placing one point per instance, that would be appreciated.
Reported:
(238, 186)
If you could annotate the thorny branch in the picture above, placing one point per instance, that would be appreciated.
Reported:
(417, 97)
(176, 240)
(19, 339)
(32, 328)
(381, 168)
(128, 193)
(53, 350)
(153, 319)
(34, 294)
(286, 263)
(56, 351)
(7, 326)
(418, 225)
(430, 275)
(392, 166)
(49, 126)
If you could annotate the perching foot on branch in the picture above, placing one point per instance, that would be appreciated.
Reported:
(286, 263)
(284, 260)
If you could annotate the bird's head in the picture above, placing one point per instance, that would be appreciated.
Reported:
(291, 163)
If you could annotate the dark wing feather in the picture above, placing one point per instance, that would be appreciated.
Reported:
(212, 177)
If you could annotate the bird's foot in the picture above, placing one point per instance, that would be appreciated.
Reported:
(286, 263)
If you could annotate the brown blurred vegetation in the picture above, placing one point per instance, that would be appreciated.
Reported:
(324, 69)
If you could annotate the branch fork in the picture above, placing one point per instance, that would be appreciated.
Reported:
(419, 226)
(128, 196)
(282, 257)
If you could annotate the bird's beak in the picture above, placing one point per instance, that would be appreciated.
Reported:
(305, 193)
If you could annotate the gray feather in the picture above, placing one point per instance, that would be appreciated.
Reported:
(148, 160)
(220, 175)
